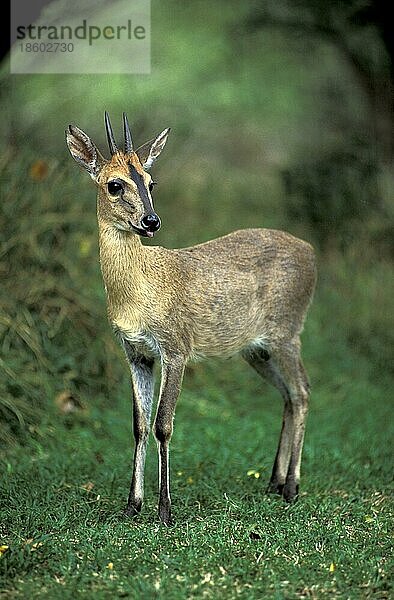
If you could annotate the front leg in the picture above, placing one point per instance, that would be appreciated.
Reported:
(171, 381)
(141, 369)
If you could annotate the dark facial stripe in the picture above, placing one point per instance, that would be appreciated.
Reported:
(143, 192)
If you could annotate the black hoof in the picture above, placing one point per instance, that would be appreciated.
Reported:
(132, 510)
(165, 516)
(290, 492)
(275, 488)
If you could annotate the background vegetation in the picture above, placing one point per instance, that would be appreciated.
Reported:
(281, 117)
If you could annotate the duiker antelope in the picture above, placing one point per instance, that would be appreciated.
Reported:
(247, 292)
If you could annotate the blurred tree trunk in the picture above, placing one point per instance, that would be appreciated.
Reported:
(349, 27)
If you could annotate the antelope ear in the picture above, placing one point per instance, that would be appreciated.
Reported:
(83, 151)
(150, 151)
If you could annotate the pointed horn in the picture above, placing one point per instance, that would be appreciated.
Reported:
(110, 135)
(128, 142)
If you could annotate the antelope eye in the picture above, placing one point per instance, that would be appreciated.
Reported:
(114, 187)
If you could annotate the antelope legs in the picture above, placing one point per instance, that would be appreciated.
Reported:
(284, 369)
(143, 386)
(171, 381)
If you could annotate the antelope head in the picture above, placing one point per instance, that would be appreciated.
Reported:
(124, 184)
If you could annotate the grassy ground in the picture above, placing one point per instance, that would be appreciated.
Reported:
(64, 397)
(244, 109)
(63, 493)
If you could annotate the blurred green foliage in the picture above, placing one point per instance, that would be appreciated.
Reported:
(334, 194)
(247, 105)
(52, 322)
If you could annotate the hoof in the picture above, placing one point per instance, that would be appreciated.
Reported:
(290, 491)
(165, 516)
(275, 488)
(132, 510)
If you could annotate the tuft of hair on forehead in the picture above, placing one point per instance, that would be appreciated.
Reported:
(122, 161)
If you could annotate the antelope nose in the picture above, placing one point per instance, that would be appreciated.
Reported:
(150, 222)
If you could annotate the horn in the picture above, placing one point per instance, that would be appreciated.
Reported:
(128, 142)
(110, 135)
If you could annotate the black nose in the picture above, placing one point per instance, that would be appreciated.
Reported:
(150, 222)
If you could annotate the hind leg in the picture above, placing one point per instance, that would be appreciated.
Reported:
(284, 369)
(261, 361)
(289, 363)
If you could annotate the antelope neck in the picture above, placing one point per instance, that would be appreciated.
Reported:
(123, 261)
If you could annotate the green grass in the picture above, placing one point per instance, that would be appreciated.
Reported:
(244, 108)
(65, 482)
(230, 539)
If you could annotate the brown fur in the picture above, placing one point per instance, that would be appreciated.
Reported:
(247, 292)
